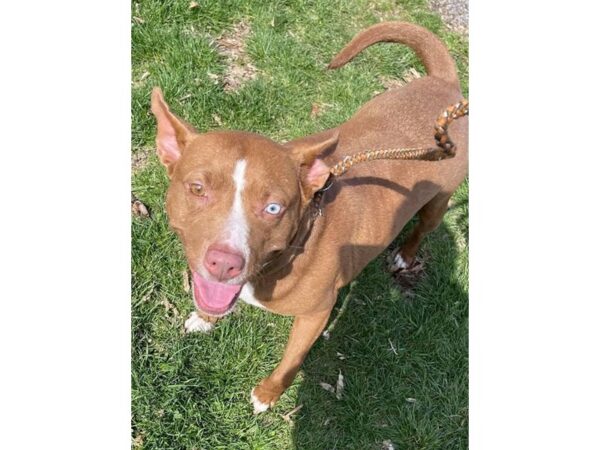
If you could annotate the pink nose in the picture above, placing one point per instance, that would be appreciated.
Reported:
(224, 264)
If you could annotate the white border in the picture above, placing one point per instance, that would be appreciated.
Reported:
(64, 326)
(534, 365)
(65, 246)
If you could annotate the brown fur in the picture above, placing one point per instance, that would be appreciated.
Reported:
(363, 212)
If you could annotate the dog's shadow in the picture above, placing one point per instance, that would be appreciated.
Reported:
(402, 355)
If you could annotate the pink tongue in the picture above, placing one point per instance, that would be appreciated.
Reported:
(216, 296)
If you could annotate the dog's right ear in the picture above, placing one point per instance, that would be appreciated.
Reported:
(172, 133)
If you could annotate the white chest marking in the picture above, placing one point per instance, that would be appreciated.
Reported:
(236, 226)
(247, 296)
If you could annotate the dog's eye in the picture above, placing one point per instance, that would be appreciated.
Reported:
(197, 189)
(273, 208)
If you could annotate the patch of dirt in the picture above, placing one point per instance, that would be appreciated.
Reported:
(454, 13)
(387, 11)
(232, 46)
(318, 108)
(139, 159)
(407, 279)
(137, 441)
(171, 311)
(393, 83)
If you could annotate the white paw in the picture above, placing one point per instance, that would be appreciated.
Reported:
(399, 262)
(195, 323)
(258, 405)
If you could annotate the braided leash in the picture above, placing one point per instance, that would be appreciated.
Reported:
(445, 147)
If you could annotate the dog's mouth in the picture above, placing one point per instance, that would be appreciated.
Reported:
(213, 298)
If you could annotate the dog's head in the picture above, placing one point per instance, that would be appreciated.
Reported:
(235, 199)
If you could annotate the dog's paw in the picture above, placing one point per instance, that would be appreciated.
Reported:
(263, 398)
(195, 323)
(259, 406)
(397, 262)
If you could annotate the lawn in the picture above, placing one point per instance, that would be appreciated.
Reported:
(259, 66)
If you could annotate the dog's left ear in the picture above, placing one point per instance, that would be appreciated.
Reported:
(313, 170)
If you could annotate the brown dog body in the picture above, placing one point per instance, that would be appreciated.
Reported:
(363, 211)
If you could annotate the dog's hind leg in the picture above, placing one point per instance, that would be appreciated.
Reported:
(430, 217)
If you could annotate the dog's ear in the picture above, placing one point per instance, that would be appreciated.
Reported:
(313, 170)
(172, 133)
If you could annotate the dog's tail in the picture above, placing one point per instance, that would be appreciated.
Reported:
(427, 46)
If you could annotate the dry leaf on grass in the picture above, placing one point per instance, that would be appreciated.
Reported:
(388, 445)
(193, 5)
(138, 441)
(218, 120)
(392, 347)
(186, 280)
(147, 296)
(339, 388)
(138, 208)
(169, 308)
(315, 110)
(318, 108)
(214, 77)
(327, 387)
(138, 20)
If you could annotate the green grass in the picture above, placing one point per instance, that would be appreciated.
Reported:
(192, 391)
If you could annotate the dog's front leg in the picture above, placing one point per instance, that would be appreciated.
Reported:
(304, 333)
(199, 322)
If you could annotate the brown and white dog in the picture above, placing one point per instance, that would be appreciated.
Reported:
(241, 202)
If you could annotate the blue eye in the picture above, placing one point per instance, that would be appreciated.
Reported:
(273, 208)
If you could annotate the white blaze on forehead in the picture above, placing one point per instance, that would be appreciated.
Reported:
(236, 225)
